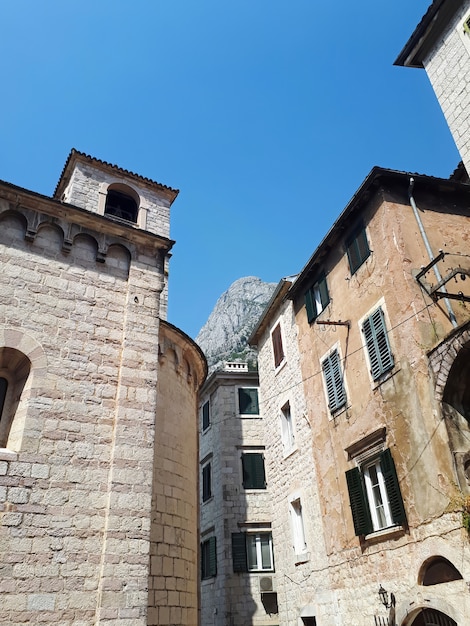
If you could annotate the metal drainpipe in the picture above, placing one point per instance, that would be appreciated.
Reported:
(429, 251)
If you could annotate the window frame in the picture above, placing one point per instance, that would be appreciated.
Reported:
(377, 343)
(253, 470)
(206, 415)
(240, 547)
(298, 527)
(209, 558)
(357, 248)
(317, 298)
(287, 427)
(277, 343)
(252, 413)
(333, 379)
(206, 481)
(361, 499)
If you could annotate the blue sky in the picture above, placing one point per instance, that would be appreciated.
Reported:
(266, 114)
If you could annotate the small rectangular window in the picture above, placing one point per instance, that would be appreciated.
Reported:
(357, 249)
(248, 401)
(287, 428)
(254, 476)
(300, 544)
(377, 344)
(375, 496)
(317, 299)
(252, 552)
(206, 482)
(334, 381)
(209, 558)
(206, 419)
(278, 349)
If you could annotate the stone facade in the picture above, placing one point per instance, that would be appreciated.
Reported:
(363, 415)
(89, 402)
(227, 506)
(441, 45)
(290, 464)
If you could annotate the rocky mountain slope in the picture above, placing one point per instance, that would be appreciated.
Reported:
(225, 334)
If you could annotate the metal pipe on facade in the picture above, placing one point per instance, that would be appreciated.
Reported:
(429, 250)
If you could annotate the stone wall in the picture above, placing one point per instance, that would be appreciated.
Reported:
(448, 68)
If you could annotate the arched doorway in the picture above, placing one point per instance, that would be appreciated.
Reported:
(431, 617)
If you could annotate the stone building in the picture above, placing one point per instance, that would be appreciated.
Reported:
(441, 45)
(238, 583)
(98, 429)
(377, 487)
(296, 525)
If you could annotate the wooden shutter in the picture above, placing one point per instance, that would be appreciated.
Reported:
(392, 485)
(378, 347)
(357, 249)
(205, 416)
(324, 295)
(212, 564)
(358, 501)
(248, 401)
(206, 482)
(334, 381)
(254, 476)
(277, 346)
(209, 558)
(239, 560)
(310, 305)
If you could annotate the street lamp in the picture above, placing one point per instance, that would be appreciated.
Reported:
(383, 595)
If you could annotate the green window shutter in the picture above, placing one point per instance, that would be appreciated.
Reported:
(334, 381)
(239, 560)
(248, 401)
(392, 485)
(254, 476)
(357, 249)
(212, 564)
(358, 501)
(205, 416)
(310, 305)
(324, 295)
(206, 482)
(378, 347)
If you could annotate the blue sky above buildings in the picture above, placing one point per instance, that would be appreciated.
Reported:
(266, 114)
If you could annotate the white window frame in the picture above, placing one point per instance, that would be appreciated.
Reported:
(373, 491)
(334, 411)
(287, 427)
(298, 526)
(256, 538)
(378, 305)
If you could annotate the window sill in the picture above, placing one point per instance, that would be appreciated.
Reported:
(386, 376)
(207, 501)
(8, 455)
(280, 367)
(205, 430)
(384, 533)
(289, 452)
(301, 558)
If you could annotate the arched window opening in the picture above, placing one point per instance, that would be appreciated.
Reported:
(14, 371)
(3, 394)
(121, 204)
(431, 617)
(438, 570)
(457, 390)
